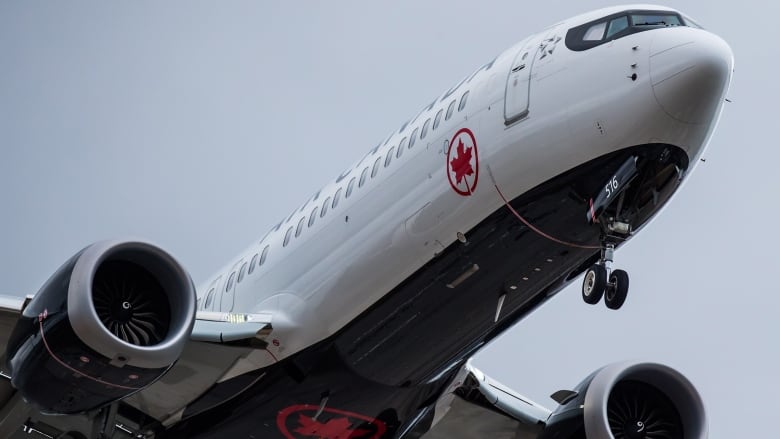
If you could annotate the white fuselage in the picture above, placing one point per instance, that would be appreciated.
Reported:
(316, 278)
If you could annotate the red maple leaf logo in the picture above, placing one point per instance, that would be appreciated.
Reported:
(337, 428)
(461, 164)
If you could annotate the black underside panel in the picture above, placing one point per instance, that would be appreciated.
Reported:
(431, 320)
(381, 374)
(329, 402)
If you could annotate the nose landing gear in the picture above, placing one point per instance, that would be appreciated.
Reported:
(600, 280)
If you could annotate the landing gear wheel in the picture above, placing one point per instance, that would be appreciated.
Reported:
(617, 290)
(594, 283)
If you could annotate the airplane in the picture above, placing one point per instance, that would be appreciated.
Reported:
(356, 315)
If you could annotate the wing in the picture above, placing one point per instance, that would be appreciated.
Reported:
(477, 406)
(222, 346)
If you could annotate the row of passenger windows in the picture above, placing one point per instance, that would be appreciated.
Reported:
(246, 268)
(331, 202)
(405, 143)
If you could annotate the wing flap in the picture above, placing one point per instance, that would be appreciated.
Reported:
(468, 420)
(200, 367)
(222, 346)
(476, 405)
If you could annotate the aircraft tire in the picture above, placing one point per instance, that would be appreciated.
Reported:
(618, 291)
(594, 283)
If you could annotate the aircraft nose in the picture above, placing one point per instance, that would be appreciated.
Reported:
(690, 70)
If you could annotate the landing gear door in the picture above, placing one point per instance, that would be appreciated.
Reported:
(518, 83)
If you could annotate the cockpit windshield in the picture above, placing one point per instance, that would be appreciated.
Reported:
(618, 25)
(655, 20)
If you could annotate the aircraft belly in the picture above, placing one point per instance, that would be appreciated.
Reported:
(385, 370)
(331, 400)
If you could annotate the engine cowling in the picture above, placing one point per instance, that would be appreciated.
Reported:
(631, 401)
(112, 320)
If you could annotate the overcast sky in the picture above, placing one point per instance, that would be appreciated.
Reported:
(198, 125)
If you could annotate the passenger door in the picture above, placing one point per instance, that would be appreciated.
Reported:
(518, 83)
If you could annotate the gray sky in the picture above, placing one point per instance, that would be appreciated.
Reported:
(181, 122)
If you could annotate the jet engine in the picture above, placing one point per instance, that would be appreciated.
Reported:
(629, 401)
(112, 320)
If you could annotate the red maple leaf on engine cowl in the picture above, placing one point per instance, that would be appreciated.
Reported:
(337, 428)
(461, 164)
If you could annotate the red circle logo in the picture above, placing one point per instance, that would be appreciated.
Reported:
(303, 422)
(463, 162)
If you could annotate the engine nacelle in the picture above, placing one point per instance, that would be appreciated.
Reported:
(109, 322)
(631, 401)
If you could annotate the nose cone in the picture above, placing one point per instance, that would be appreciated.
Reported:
(690, 70)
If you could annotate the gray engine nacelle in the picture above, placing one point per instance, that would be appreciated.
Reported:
(630, 401)
(109, 322)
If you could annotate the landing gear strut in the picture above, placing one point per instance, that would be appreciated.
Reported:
(601, 280)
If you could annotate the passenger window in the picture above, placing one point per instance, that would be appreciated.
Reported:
(313, 215)
(389, 156)
(350, 186)
(287, 236)
(299, 228)
(376, 167)
(229, 284)
(363, 176)
(424, 131)
(401, 147)
(413, 137)
(325, 207)
(209, 299)
(437, 120)
(263, 256)
(617, 25)
(253, 262)
(463, 100)
(242, 272)
(595, 32)
(450, 109)
(336, 198)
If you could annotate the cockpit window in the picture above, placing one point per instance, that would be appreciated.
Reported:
(595, 32)
(619, 25)
(655, 20)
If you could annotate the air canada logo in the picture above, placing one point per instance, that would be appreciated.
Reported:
(302, 422)
(463, 162)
